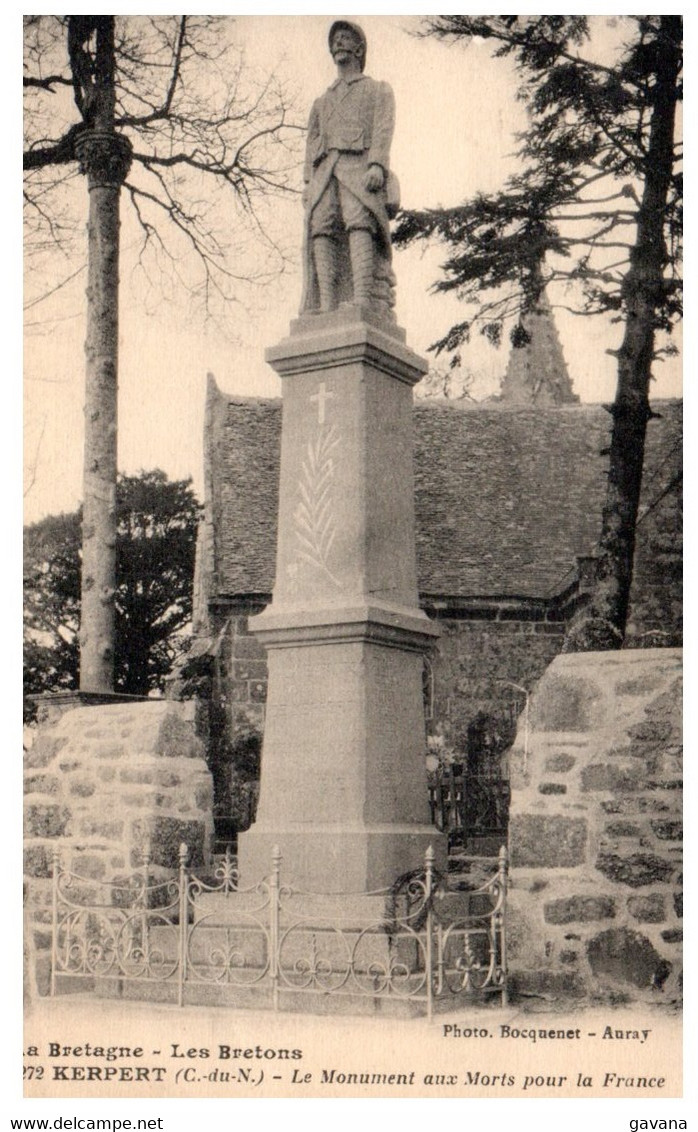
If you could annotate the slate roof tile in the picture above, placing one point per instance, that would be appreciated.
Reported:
(504, 499)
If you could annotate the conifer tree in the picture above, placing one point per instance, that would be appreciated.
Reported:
(596, 203)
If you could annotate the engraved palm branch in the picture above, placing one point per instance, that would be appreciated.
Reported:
(314, 514)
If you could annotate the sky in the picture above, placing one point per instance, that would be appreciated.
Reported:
(456, 118)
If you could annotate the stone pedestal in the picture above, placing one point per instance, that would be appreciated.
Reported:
(343, 790)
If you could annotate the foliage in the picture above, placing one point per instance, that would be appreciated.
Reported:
(451, 382)
(212, 144)
(156, 544)
(156, 538)
(51, 603)
(235, 763)
(246, 753)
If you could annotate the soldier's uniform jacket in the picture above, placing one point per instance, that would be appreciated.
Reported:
(355, 116)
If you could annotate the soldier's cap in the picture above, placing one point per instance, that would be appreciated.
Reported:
(345, 25)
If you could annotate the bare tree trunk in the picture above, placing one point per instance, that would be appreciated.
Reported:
(104, 157)
(601, 624)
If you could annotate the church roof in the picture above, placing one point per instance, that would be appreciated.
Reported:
(504, 501)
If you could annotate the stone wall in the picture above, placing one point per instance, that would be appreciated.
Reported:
(244, 675)
(104, 787)
(487, 666)
(595, 831)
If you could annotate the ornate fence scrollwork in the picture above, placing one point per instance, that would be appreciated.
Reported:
(126, 928)
(423, 940)
(367, 944)
(471, 938)
(218, 949)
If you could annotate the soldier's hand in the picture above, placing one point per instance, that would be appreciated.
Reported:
(374, 178)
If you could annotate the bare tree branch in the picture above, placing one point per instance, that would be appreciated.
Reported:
(47, 83)
(52, 290)
(192, 110)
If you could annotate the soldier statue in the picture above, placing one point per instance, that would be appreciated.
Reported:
(350, 193)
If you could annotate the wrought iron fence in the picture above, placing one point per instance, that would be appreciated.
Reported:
(469, 805)
(418, 941)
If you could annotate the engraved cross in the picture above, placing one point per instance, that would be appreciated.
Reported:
(322, 396)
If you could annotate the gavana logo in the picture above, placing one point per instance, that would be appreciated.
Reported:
(638, 1125)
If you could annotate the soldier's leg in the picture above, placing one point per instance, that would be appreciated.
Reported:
(361, 252)
(325, 259)
(325, 223)
(360, 225)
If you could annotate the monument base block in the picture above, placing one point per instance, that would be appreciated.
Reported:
(338, 859)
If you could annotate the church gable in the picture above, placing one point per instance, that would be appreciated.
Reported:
(505, 502)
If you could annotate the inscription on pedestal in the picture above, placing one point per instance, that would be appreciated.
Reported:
(314, 519)
(321, 397)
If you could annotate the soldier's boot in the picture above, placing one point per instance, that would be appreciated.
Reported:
(325, 257)
(361, 256)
